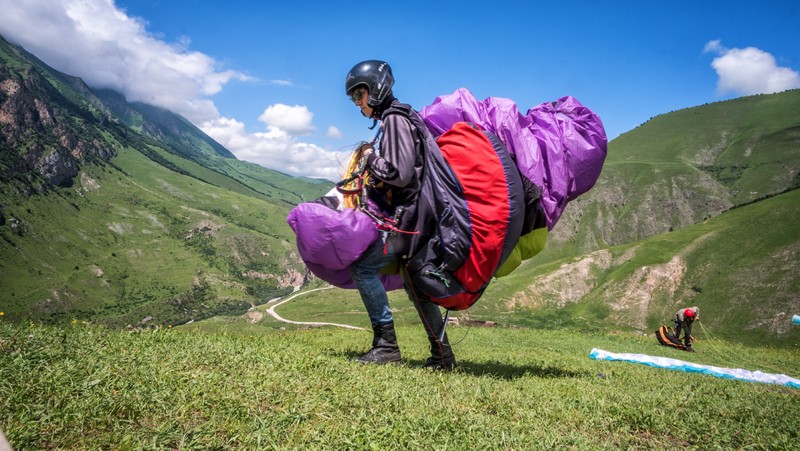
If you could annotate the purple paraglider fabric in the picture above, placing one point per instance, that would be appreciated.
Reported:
(330, 240)
(560, 146)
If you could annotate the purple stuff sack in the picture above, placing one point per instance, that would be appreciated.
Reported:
(330, 240)
(560, 146)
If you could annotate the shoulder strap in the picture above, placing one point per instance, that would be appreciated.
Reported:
(403, 109)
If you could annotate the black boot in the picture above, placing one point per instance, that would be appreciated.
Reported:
(442, 357)
(384, 346)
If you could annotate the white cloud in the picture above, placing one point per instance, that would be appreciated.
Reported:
(277, 149)
(334, 132)
(713, 46)
(749, 71)
(282, 82)
(100, 43)
(295, 120)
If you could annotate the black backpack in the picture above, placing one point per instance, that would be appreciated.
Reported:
(469, 214)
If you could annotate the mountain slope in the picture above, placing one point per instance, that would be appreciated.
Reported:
(99, 221)
(739, 267)
(136, 240)
(52, 123)
(686, 166)
(688, 210)
(47, 126)
(166, 127)
(193, 149)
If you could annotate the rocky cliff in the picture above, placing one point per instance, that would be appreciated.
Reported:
(40, 132)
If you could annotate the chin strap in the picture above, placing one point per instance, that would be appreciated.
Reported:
(378, 110)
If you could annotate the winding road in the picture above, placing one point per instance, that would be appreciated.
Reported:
(272, 313)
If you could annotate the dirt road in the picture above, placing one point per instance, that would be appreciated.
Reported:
(278, 302)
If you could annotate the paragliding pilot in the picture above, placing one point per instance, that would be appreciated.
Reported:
(394, 169)
(684, 318)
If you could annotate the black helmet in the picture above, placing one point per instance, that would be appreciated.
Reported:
(375, 75)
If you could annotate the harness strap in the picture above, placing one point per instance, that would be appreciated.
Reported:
(386, 224)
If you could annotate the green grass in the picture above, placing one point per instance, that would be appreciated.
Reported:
(86, 387)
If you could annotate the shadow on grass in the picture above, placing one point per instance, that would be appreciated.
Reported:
(506, 371)
(494, 369)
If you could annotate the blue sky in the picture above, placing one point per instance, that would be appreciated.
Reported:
(265, 79)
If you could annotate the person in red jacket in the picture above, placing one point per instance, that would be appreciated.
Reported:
(684, 318)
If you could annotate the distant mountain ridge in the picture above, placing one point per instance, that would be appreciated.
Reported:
(164, 126)
(38, 101)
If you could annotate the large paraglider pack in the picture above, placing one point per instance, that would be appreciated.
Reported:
(470, 213)
(494, 183)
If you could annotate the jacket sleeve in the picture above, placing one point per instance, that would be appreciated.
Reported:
(395, 165)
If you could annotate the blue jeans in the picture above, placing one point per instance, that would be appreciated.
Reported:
(366, 276)
(367, 280)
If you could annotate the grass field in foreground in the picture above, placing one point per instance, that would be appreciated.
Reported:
(87, 387)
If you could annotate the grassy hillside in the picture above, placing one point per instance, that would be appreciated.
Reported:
(128, 214)
(189, 148)
(740, 268)
(686, 166)
(135, 240)
(247, 178)
(83, 387)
